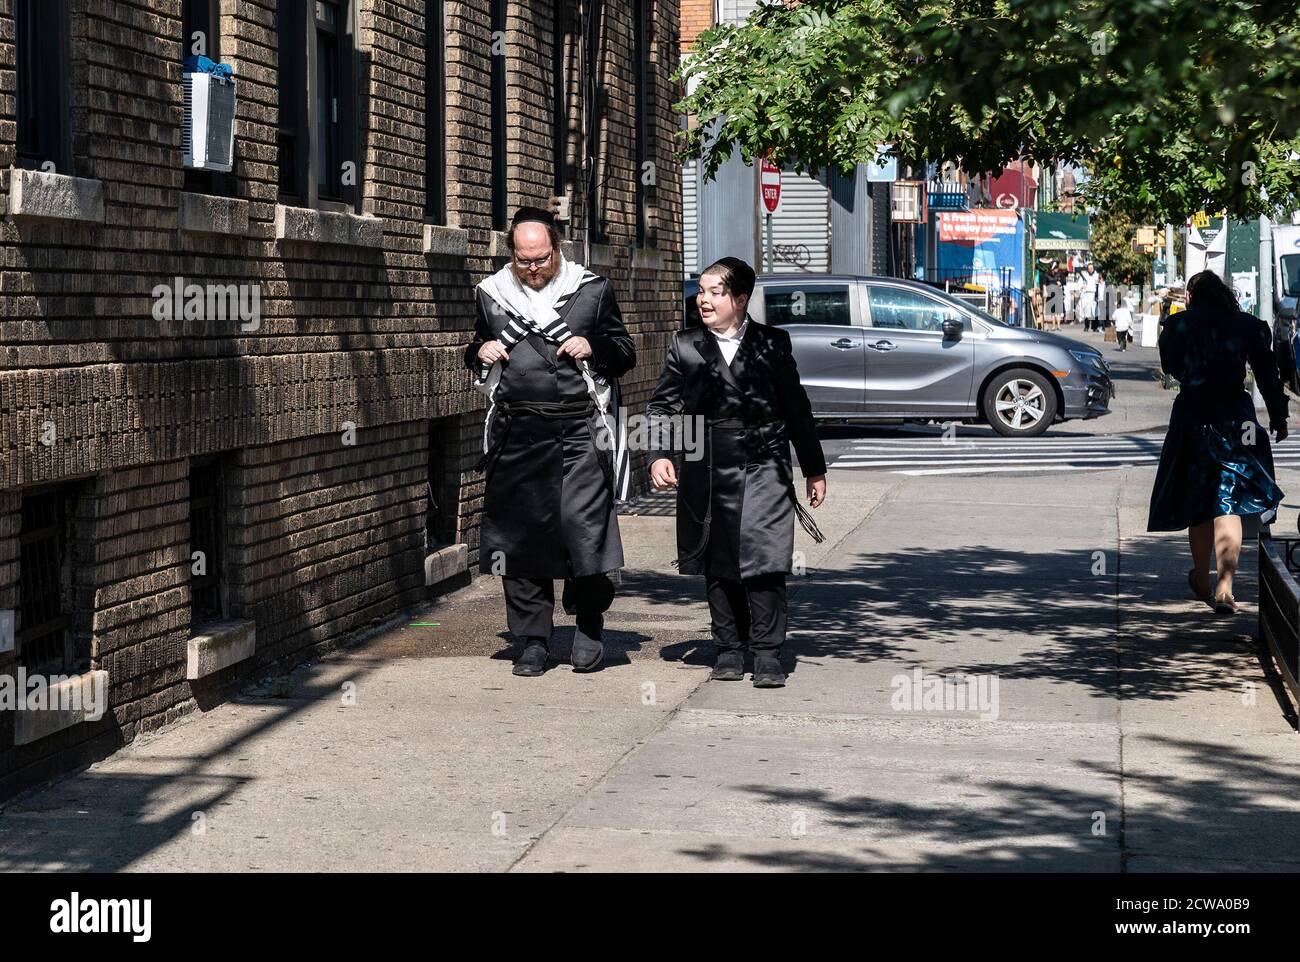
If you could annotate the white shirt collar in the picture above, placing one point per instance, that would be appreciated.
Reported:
(740, 332)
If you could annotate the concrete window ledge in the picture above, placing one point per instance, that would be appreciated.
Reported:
(209, 214)
(497, 246)
(70, 702)
(446, 240)
(445, 564)
(40, 196)
(307, 226)
(219, 644)
(607, 255)
(647, 259)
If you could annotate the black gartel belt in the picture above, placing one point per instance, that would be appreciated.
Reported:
(739, 424)
(551, 410)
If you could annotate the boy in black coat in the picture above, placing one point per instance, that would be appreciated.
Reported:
(736, 506)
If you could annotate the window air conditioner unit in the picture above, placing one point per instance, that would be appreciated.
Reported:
(208, 133)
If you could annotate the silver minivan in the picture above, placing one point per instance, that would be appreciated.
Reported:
(891, 349)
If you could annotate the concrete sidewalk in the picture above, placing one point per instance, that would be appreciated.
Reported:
(1132, 731)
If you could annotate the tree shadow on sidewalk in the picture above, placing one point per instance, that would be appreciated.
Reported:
(1224, 805)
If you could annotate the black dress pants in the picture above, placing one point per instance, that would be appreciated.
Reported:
(749, 611)
(530, 605)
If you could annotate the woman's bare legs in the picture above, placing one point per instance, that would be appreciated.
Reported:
(1227, 549)
(1201, 539)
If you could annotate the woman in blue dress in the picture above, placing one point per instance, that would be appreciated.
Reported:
(1216, 467)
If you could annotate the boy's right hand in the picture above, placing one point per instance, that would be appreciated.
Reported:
(663, 475)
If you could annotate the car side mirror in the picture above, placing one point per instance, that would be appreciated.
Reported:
(951, 330)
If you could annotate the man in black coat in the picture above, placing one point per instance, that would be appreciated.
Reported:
(736, 506)
(549, 344)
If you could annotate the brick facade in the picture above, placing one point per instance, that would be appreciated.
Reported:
(697, 16)
(321, 415)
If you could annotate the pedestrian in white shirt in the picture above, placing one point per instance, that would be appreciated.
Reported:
(1124, 324)
(1088, 297)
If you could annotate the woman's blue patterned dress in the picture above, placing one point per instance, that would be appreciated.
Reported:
(1216, 458)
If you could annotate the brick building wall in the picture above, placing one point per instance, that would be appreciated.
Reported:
(321, 416)
(697, 16)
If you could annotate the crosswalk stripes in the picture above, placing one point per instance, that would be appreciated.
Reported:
(920, 455)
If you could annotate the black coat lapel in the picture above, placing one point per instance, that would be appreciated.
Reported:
(746, 352)
(707, 345)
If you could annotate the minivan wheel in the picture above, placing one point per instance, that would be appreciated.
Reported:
(1019, 403)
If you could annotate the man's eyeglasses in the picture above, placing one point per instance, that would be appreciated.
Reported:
(536, 262)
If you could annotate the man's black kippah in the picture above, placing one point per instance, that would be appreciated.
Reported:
(525, 214)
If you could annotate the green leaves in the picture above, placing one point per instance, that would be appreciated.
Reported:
(1186, 92)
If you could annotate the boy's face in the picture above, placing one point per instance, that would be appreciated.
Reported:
(718, 309)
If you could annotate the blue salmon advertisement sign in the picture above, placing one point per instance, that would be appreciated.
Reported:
(985, 246)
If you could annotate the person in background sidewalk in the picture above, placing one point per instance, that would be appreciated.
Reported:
(736, 506)
(1124, 324)
(1088, 297)
(1216, 466)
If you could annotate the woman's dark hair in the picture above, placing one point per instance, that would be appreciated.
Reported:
(737, 276)
(1207, 289)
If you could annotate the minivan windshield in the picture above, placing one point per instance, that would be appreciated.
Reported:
(1290, 264)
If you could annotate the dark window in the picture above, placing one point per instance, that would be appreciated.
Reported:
(318, 134)
(593, 97)
(442, 489)
(41, 47)
(903, 310)
(329, 174)
(435, 113)
(497, 52)
(201, 37)
(46, 641)
(292, 136)
(641, 26)
(807, 305)
(207, 530)
(200, 30)
(560, 93)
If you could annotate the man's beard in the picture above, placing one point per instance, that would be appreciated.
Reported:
(543, 276)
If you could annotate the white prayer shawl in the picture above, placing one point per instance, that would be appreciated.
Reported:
(538, 312)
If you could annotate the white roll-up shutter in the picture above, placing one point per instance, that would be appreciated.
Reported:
(735, 11)
(690, 218)
(801, 232)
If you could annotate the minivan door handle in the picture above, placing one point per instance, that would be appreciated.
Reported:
(882, 346)
(843, 344)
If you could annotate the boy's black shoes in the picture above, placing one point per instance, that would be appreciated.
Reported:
(730, 666)
(767, 672)
(533, 661)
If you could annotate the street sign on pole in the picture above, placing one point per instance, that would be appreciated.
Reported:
(769, 187)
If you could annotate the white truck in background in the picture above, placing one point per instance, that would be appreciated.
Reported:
(1286, 295)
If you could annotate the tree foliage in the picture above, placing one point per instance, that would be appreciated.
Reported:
(1174, 106)
(1111, 235)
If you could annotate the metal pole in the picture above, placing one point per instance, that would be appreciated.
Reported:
(1171, 270)
(771, 251)
(1265, 284)
(1265, 270)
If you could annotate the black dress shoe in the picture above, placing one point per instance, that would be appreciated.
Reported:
(587, 652)
(532, 662)
(767, 672)
(730, 666)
